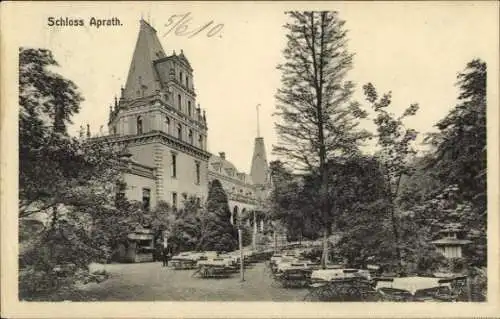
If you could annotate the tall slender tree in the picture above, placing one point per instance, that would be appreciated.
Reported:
(318, 120)
(396, 152)
(216, 231)
(460, 151)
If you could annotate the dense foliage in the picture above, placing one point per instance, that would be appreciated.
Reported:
(388, 208)
(67, 210)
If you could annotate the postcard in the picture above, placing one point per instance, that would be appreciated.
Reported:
(249, 159)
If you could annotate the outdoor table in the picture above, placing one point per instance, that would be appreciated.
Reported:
(216, 268)
(416, 289)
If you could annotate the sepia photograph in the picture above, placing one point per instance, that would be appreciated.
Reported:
(315, 155)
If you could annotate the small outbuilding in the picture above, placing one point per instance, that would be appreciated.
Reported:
(451, 242)
(139, 247)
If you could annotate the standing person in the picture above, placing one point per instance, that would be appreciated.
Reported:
(164, 255)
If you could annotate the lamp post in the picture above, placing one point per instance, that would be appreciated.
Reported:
(254, 232)
(274, 225)
(240, 243)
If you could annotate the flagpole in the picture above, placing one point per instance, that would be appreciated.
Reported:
(258, 122)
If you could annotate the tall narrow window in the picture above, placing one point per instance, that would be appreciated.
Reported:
(174, 200)
(146, 199)
(179, 131)
(174, 165)
(139, 125)
(190, 136)
(179, 102)
(167, 125)
(189, 108)
(114, 130)
(180, 77)
(197, 173)
(120, 193)
(200, 141)
(187, 81)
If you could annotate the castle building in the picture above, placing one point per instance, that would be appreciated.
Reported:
(163, 132)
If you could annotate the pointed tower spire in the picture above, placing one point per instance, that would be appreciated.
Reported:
(142, 77)
(260, 168)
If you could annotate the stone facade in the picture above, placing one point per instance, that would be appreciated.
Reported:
(156, 119)
(241, 192)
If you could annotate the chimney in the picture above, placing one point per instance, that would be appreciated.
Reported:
(222, 155)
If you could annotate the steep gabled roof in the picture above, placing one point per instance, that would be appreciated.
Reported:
(142, 76)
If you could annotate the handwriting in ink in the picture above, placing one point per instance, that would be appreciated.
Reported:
(180, 25)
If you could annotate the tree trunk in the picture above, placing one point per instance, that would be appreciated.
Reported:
(394, 223)
(324, 256)
(51, 235)
(274, 241)
(396, 239)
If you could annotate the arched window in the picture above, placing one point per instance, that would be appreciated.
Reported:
(167, 125)
(179, 131)
(190, 136)
(234, 217)
(139, 125)
(179, 102)
(189, 108)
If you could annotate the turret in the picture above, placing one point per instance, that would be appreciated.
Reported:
(260, 169)
(198, 112)
(111, 111)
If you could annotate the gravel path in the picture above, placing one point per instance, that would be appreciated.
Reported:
(152, 282)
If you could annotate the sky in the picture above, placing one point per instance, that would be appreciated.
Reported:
(413, 49)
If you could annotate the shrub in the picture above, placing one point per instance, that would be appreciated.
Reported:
(457, 265)
(34, 283)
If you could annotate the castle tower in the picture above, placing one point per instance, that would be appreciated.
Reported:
(260, 169)
(157, 119)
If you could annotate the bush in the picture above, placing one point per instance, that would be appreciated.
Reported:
(457, 265)
(34, 283)
(430, 262)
